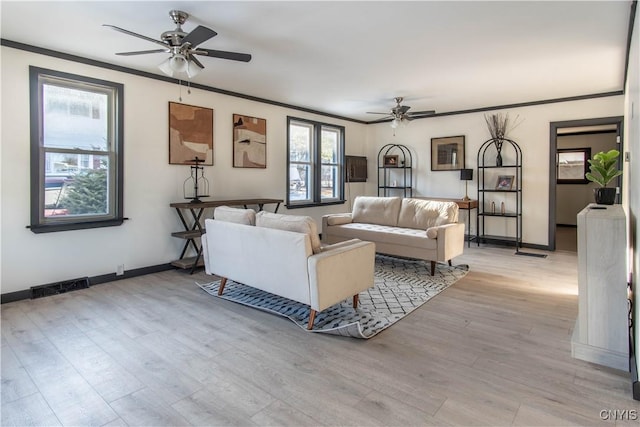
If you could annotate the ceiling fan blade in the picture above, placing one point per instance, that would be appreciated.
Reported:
(235, 56)
(403, 109)
(142, 52)
(195, 60)
(375, 112)
(199, 35)
(423, 113)
(140, 36)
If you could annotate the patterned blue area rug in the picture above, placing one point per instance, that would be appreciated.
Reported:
(401, 286)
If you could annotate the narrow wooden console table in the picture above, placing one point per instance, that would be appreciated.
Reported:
(193, 227)
(467, 205)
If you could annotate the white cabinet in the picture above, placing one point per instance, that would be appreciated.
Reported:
(601, 334)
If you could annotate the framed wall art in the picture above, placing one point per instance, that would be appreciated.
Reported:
(249, 142)
(572, 165)
(190, 134)
(447, 153)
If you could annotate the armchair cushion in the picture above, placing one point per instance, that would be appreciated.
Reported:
(299, 224)
(236, 215)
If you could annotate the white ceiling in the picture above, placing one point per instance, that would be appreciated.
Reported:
(347, 58)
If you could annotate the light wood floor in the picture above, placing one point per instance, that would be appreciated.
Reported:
(493, 349)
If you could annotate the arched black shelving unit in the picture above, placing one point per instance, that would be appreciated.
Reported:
(395, 179)
(490, 167)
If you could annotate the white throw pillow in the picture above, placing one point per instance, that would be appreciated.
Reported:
(237, 215)
(298, 224)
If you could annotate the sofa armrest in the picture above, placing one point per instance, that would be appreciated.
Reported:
(450, 240)
(340, 273)
(334, 219)
(334, 246)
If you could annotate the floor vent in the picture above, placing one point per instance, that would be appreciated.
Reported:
(59, 287)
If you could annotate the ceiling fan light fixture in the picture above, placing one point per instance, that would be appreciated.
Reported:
(165, 67)
(193, 69)
(178, 63)
(394, 123)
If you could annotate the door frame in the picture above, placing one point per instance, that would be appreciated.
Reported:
(553, 148)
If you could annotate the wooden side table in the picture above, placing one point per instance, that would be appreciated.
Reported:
(193, 227)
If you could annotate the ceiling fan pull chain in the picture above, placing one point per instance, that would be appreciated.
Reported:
(189, 87)
(180, 94)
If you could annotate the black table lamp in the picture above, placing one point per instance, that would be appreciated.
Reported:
(466, 175)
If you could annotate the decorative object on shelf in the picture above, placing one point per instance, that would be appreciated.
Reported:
(602, 171)
(447, 153)
(572, 165)
(504, 182)
(190, 134)
(196, 185)
(466, 175)
(499, 125)
(502, 208)
(493, 207)
(391, 160)
(249, 142)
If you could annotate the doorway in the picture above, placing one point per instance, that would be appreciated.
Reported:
(571, 141)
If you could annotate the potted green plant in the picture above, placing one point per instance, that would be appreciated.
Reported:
(602, 171)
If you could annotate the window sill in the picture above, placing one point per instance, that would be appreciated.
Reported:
(51, 228)
(314, 205)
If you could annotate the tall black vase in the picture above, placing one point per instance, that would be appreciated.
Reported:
(605, 195)
(499, 159)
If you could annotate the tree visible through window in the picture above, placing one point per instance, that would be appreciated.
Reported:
(315, 159)
(76, 152)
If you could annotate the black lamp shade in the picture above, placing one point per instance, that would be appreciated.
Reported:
(466, 174)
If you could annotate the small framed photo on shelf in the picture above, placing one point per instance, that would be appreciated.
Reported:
(504, 183)
(391, 160)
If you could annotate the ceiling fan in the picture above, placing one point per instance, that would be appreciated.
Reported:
(400, 115)
(182, 47)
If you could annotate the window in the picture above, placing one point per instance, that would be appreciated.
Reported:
(76, 152)
(315, 163)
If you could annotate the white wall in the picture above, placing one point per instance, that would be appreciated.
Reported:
(532, 134)
(151, 184)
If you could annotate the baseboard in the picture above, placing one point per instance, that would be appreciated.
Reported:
(95, 280)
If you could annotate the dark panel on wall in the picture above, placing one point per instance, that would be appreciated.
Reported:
(356, 168)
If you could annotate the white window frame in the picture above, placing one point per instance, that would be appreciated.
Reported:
(115, 92)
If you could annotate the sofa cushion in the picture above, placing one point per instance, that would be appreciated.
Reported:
(237, 215)
(376, 210)
(385, 234)
(424, 214)
(298, 224)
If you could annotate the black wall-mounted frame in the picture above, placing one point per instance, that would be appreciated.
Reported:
(572, 165)
(355, 169)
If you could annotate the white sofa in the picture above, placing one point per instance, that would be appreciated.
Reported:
(282, 255)
(412, 228)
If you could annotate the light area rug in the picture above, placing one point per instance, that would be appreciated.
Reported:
(400, 287)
